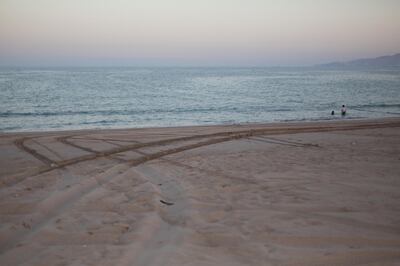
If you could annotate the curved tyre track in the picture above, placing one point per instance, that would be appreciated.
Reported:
(53, 206)
(59, 202)
(20, 143)
(64, 140)
(226, 136)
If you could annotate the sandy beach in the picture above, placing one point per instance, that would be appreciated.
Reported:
(312, 193)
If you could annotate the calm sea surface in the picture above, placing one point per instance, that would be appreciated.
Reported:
(76, 98)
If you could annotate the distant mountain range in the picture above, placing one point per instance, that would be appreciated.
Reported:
(383, 61)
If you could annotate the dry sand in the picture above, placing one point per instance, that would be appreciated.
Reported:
(325, 193)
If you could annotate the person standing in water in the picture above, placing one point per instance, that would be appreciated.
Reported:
(343, 110)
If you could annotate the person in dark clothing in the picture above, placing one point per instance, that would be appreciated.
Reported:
(343, 110)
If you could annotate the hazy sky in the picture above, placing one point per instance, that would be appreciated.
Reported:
(196, 32)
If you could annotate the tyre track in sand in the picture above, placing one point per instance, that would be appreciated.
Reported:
(20, 143)
(54, 205)
(57, 203)
(226, 136)
(221, 137)
(64, 140)
(212, 139)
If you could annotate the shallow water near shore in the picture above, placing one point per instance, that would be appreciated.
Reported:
(79, 98)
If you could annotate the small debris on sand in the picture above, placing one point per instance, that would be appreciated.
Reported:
(26, 225)
(166, 203)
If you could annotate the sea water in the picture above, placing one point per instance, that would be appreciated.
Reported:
(78, 98)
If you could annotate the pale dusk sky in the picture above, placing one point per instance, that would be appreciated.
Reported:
(196, 33)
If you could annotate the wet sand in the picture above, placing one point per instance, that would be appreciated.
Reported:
(321, 193)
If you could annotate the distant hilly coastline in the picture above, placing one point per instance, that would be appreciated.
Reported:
(382, 61)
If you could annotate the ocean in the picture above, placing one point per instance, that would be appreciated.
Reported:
(88, 98)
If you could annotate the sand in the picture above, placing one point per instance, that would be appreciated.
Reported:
(320, 193)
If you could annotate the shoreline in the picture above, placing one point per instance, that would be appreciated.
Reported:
(251, 124)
